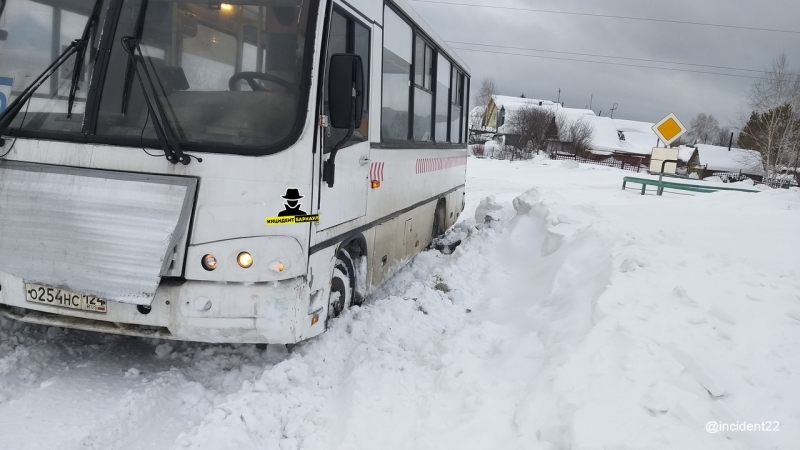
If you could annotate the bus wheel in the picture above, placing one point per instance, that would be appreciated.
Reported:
(439, 219)
(343, 285)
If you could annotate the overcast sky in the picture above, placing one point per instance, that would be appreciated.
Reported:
(642, 94)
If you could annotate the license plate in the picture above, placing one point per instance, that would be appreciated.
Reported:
(66, 299)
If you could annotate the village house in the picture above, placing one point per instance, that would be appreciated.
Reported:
(620, 140)
(713, 160)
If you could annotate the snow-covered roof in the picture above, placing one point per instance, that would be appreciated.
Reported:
(604, 137)
(634, 126)
(685, 153)
(639, 143)
(718, 158)
(512, 103)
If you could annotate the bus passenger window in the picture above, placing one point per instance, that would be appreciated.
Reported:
(397, 42)
(423, 96)
(442, 98)
(457, 88)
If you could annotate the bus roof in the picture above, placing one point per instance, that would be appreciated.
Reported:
(406, 9)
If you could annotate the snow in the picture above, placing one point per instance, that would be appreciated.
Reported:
(574, 315)
(634, 126)
(605, 137)
(719, 159)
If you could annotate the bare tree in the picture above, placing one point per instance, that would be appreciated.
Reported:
(577, 132)
(476, 129)
(773, 128)
(704, 129)
(723, 137)
(486, 91)
(530, 124)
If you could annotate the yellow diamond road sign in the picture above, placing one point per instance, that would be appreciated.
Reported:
(669, 129)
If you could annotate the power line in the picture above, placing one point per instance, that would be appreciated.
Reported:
(611, 16)
(605, 56)
(609, 63)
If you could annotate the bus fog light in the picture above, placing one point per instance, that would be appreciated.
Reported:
(245, 260)
(277, 266)
(209, 262)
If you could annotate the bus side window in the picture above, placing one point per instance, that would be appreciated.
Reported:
(397, 52)
(349, 36)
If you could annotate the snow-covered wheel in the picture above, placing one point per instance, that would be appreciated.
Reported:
(343, 285)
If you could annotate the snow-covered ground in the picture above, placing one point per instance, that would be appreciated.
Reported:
(578, 315)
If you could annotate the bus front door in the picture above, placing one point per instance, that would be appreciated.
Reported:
(347, 199)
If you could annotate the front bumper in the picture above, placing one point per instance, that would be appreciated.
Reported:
(190, 310)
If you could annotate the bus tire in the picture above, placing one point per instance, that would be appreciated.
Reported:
(439, 219)
(343, 285)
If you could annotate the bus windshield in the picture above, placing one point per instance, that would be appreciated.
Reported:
(34, 34)
(228, 74)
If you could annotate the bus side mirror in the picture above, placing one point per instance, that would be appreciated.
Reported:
(3, 35)
(345, 90)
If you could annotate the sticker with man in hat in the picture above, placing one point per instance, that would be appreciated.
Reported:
(292, 212)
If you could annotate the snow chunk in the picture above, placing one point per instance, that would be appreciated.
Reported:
(570, 164)
(525, 202)
(163, 350)
(722, 315)
(487, 210)
(699, 373)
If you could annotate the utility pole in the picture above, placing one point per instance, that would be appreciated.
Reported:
(559, 96)
(730, 144)
(590, 101)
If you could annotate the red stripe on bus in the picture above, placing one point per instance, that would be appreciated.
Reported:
(425, 165)
(376, 171)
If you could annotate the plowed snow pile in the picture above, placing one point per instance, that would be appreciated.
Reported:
(574, 315)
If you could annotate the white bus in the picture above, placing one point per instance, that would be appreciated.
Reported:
(219, 172)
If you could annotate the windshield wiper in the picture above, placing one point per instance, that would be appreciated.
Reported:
(78, 46)
(81, 54)
(14, 108)
(166, 135)
(128, 80)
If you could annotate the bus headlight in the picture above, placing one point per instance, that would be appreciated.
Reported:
(209, 262)
(245, 260)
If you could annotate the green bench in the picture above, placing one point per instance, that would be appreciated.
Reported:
(660, 184)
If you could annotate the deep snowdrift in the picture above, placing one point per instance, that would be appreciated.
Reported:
(576, 315)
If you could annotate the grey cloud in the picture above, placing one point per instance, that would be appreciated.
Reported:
(642, 94)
